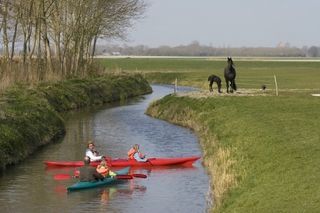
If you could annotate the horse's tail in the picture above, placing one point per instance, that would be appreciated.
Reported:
(233, 85)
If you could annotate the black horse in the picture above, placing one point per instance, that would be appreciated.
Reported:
(214, 78)
(230, 76)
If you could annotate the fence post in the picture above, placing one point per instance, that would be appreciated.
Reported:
(275, 81)
(175, 85)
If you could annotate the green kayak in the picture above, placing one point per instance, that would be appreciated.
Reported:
(86, 185)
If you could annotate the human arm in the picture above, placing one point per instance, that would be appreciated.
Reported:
(92, 156)
(97, 175)
(112, 174)
(137, 157)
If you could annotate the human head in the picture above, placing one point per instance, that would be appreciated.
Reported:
(90, 145)
(103, 162)
(86, 160)
(136, 146)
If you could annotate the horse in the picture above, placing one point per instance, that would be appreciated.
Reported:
(214, 78)
(230, 76)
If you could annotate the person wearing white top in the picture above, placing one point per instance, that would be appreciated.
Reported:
(92, 153)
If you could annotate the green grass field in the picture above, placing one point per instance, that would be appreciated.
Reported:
(263, 152)
(195, 71)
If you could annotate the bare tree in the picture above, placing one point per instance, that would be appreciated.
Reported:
(5, 27)
(72, 27)
(313, 51)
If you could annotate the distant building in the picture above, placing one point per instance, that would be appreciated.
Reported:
(283, 44)
(115, 53)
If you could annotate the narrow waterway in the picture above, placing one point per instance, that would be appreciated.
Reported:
(30, 187)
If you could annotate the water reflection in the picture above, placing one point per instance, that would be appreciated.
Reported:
(109, 193)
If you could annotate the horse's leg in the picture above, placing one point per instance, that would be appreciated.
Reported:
(227, 83)
(219, 86)
(231, 86)
(234, 85)
(210, 86)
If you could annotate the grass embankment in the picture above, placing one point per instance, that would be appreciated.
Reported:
(263, 152)
(250, 73)
(29, 117)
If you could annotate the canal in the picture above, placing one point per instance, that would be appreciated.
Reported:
(30, 186)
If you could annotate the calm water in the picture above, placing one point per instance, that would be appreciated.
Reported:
(30, 187)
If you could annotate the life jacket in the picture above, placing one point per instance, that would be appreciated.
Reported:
(131, 153)
(103, 170)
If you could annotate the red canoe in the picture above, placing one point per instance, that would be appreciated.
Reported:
(125, 162)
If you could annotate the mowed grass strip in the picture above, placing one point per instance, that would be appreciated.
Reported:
(274, 145)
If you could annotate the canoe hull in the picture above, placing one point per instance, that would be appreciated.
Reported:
(133, 163)
(87, 185)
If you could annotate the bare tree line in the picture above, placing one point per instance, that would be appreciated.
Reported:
(59, 37)
(196, 49)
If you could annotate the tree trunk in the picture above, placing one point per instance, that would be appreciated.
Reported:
(14, 39)
(94, 47)
(5, 32)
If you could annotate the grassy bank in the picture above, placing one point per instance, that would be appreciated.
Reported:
(263, 152)
(29, 116)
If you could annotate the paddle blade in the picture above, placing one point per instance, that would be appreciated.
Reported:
(124, 177)
(61, 177)
(139, 175)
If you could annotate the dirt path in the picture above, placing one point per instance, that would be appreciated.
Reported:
(240, 92)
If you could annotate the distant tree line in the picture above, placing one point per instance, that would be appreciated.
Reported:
(196, 49)
(60, 36)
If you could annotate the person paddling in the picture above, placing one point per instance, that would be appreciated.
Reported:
(89, 173)
(135, 154)
(103, 169)
(92, 153)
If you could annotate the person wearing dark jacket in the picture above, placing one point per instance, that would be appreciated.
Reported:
(89, 173)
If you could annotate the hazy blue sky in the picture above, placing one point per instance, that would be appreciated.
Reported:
(233, 23)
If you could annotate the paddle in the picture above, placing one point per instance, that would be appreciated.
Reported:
(139, 175)
(62, 176)
(77, 173)
(124, 177)
(67, 176)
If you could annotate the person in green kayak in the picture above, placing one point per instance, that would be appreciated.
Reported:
(103, 169)
(89, 173)
(134, 153)
(92, 153)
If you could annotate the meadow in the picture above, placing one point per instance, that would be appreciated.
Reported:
(262, 152)
(291, 75)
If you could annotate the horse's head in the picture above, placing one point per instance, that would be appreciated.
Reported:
(230, 62)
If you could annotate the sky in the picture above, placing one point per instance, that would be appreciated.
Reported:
(232, 23)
